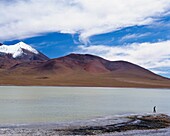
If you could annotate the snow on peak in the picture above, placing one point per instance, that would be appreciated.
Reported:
(25, 46)
(17, 49)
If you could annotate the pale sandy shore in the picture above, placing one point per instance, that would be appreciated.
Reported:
(132, 125)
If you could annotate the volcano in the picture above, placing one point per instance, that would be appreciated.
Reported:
(75, 70)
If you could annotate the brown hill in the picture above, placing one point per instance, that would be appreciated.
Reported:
(81, 70)
(6, 61)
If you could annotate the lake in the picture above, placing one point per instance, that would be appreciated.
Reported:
(60, 104)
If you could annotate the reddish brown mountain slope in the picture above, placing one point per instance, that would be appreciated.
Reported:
(6, 61)
(81, 70)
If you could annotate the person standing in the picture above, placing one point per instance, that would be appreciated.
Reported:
(154, 109)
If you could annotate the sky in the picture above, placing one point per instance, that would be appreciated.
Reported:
(137, 31)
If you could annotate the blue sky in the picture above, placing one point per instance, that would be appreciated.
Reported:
(136, 31)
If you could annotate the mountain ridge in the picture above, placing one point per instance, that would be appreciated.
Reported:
(77, 70)
(21, 51)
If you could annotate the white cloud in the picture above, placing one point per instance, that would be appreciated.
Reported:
(148, 55)
(134, 36)
(27, 18)
(160, 72)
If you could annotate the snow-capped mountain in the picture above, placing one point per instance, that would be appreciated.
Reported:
(21, 51)
(16, 50)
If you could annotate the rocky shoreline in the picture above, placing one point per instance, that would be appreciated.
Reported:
(119, 125)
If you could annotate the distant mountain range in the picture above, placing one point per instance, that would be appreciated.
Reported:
(21, 64)
(21, 51)
(18, 53)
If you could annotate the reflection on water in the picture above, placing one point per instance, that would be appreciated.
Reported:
(55, 104)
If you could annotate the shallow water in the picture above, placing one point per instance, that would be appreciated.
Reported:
(59, 104)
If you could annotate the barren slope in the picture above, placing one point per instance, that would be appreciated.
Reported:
(81, 70)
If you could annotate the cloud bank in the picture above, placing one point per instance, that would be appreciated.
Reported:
(27, 18)
(153, 56)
